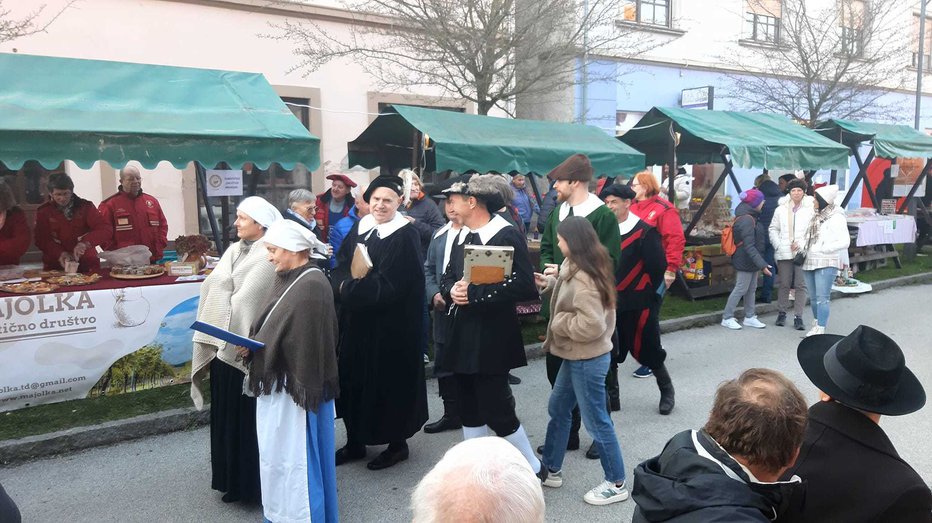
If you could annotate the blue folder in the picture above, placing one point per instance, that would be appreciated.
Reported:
(227, 336)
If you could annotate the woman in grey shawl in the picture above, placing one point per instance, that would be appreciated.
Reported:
(232, 298)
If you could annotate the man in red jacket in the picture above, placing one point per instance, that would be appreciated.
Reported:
(69, 228)
(334, 204)
(135, 218)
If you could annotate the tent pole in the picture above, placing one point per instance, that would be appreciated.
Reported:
(540, 201)
(253, 180)
(731, 174)
(709, 197)
(862, 173)
(671, 170)
(912, 191)
(214, 228)
(833, 179)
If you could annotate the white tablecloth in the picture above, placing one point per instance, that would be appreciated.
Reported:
(879, 230)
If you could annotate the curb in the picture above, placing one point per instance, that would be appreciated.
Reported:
(82, 438)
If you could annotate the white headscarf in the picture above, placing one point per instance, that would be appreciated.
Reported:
(257, 208)
(294, 237)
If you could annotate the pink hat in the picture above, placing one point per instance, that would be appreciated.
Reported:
(752, 197)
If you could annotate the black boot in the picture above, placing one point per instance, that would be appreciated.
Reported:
(665, 384)
(593, 452)
(446, 422)
(451, 415)
(611, 388)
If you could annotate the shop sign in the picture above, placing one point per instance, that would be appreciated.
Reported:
(697, 98)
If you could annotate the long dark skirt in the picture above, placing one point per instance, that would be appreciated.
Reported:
(234, 449)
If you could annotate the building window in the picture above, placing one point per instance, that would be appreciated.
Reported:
(651, 12)
(927, 45)
(853, 21)
(763, 28)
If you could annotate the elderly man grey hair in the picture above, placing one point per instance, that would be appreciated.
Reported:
(481, 480)
(299, 196)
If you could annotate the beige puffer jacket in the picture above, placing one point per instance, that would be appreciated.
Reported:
(580, 326)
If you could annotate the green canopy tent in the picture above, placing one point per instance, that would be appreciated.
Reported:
(740, 139)
(56, 109)
(887, 141)
(438, 140)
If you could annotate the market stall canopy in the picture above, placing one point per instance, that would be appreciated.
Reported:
(890, 141)
(461, 142)
(56, 109)
(761, 140)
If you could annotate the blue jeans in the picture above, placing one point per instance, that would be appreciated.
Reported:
(819, 282)
(583, 380)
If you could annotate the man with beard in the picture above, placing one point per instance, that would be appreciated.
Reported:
(134, 217)
(383, 398)
(485, 335)
(639, 273)
(571, 181)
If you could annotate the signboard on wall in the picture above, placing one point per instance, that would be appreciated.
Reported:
(697, 98)
(224, 182)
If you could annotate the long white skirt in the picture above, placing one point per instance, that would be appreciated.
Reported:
(296, 461)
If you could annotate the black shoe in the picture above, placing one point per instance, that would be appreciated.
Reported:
(573, 442)
(230, 497)
(442, 424)
(513, 380)
(593, 452)
(667, 393)
(798, 323)
(540, 450)
(350, 453)
(781, 319)
(388, 458)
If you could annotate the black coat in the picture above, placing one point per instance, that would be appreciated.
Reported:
(640, 268)
(750, 237)
(8, 511)
(681, 486)
(382, 392)
(772, 195)
(851, 472)
(427, 219)
(485, 337)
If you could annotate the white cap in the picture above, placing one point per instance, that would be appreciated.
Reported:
(294, 237)
(829, 193)
(257, 208)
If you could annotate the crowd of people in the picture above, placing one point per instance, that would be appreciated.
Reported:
(69, 229)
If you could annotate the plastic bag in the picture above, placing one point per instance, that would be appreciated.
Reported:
(131, 255)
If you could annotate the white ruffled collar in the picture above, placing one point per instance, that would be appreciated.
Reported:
(629, 223)
(384, 230)
(591, 203)
(487, 231)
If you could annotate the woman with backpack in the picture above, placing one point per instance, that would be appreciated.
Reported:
(750, 239)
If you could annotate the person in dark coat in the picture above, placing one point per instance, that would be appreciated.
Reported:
(548, 204)
(772, 195)
(850, 469)
(638, 275)
(750, 237)
(421, 211)
(438, 258)
(383, 396)
(729, 470)
(302, 208)
(485, 337)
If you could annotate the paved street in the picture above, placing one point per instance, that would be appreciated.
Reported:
(167, 478)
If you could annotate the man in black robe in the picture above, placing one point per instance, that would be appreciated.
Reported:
(485, 338)
(383, 397)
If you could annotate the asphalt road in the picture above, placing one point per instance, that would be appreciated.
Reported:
(167, 478)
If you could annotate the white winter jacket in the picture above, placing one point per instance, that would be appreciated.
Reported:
(787, 226)
(833, 237)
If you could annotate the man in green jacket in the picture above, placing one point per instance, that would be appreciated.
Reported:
(571, 181)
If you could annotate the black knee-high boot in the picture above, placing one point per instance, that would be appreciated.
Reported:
(665, 384)
(611, 387)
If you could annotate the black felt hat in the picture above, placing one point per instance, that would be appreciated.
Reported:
(864, 370)
(389, 182)
(618, 191)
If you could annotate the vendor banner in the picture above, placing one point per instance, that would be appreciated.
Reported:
(58, 346)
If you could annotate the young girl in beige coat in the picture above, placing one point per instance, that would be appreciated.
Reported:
(582, 320)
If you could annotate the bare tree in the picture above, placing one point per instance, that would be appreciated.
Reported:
(833, 61)
(485, 51)
(30, 23)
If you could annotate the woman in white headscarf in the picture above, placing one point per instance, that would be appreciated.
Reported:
(231, 298)
(294, 378)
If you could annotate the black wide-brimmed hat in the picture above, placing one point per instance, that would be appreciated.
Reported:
(389, 182)
(865, 370)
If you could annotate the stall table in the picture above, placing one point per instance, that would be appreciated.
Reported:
(65, 340)
(875, 237)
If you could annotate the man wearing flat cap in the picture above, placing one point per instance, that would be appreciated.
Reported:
(484, 341)
(334, 203)
(851, 470)
(383, 398)
(571, 181)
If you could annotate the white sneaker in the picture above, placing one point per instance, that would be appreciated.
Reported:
(553, 479)
(815, 330)
(753, 322)
(732, 324)
(606, 493)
